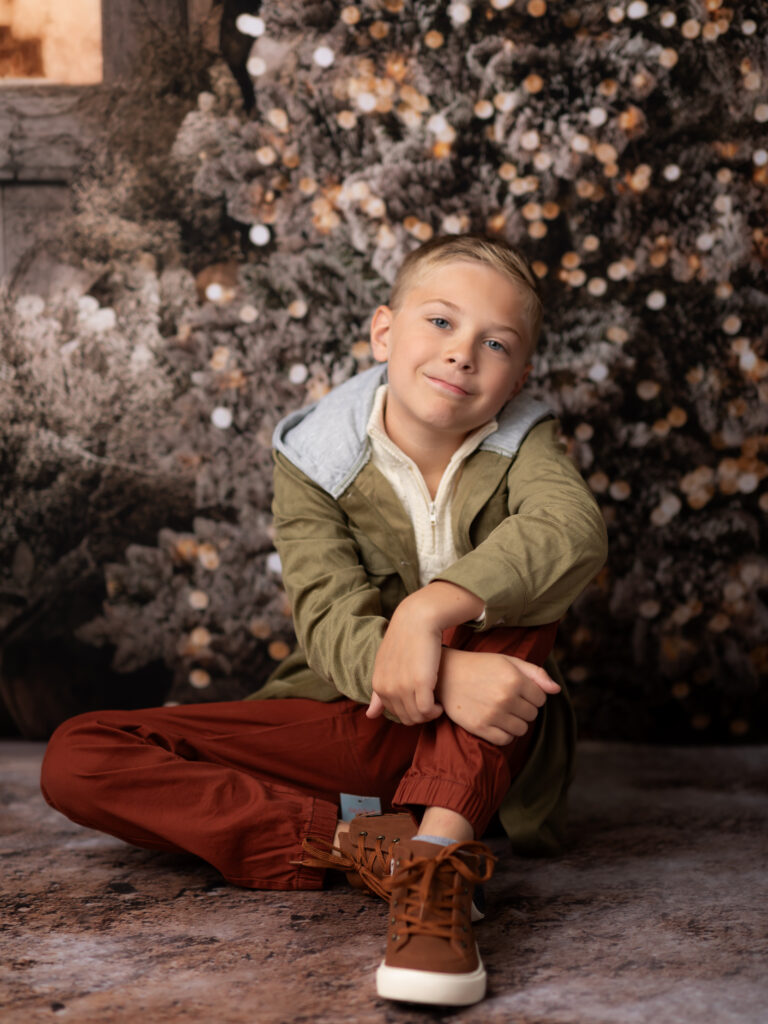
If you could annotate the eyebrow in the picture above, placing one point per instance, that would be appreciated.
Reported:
(458, 309)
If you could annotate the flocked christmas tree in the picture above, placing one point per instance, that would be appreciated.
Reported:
(225, 265)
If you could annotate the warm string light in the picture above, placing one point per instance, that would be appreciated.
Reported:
(554, 182)
(368, 101)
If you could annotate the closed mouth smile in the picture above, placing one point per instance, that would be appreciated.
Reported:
(454, 389)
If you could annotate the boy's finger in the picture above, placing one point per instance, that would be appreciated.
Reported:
(375, 708)
(424, 700)
(548, 685)
(527, 710)
(539, 675)
(514, 726)
(533, 693)
(415, 715)
(499, 737)
(402, 711)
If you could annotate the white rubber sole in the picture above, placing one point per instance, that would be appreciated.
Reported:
(431, 987)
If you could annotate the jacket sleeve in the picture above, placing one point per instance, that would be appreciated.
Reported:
(336, 609)
(537, 561)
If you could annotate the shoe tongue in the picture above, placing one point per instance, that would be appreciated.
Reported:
(413, 849)
(425, 877)
(420, 848)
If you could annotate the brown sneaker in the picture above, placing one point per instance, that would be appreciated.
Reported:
(365, 852)
(431, 953)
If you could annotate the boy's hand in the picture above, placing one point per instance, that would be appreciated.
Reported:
(408, 660)
(406, 667)
(493, 696)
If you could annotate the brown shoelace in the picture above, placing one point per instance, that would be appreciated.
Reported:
(429, 889)
(322, 854)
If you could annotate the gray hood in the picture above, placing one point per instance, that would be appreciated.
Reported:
(328, 440)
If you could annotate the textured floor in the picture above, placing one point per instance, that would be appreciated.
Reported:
(658, 913)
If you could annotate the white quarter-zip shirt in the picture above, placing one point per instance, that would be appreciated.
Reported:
(431, 518)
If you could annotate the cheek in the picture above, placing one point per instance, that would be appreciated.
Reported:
(409, 357)
(518, 383)
(398, 372)
(509, 388)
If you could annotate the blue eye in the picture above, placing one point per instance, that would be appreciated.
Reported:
(495, 346)
(440, 322)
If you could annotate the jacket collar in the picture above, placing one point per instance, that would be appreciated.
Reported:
(328, 440)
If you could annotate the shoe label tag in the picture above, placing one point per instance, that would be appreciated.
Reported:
(352, 805)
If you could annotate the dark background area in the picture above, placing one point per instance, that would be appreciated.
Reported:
(150, 339)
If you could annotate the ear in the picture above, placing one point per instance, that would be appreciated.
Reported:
(380, 328)
(517, 387)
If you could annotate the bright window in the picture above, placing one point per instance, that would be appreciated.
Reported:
(57, 41)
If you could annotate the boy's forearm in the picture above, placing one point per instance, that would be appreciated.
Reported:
(442, 604)
(410, 655)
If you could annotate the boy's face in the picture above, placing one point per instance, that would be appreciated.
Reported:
(457, 350)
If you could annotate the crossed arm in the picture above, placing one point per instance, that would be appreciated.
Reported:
(417, 679)
(527, 572)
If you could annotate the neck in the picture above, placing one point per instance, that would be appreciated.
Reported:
(430, 451)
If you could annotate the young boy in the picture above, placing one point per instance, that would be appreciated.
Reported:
(432, 532)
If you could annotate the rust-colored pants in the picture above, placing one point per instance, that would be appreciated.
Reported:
(242, 783)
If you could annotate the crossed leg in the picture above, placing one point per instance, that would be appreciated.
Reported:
(242, 783)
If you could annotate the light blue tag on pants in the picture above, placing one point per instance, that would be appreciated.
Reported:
(352, 805)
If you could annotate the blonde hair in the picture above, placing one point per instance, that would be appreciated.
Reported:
(493, 252)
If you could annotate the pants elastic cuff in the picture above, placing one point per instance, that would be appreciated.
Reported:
(436, 792)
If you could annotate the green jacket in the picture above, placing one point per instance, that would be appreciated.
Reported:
(529, 536)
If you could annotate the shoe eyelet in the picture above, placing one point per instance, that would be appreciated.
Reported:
(393, 920)
(381, 837)
(363, 833)
(395, 936)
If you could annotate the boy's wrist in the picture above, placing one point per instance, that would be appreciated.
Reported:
(441, 605)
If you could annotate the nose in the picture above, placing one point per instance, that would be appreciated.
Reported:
(458, 352)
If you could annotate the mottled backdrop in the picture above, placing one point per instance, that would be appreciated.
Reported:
(219, 269)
